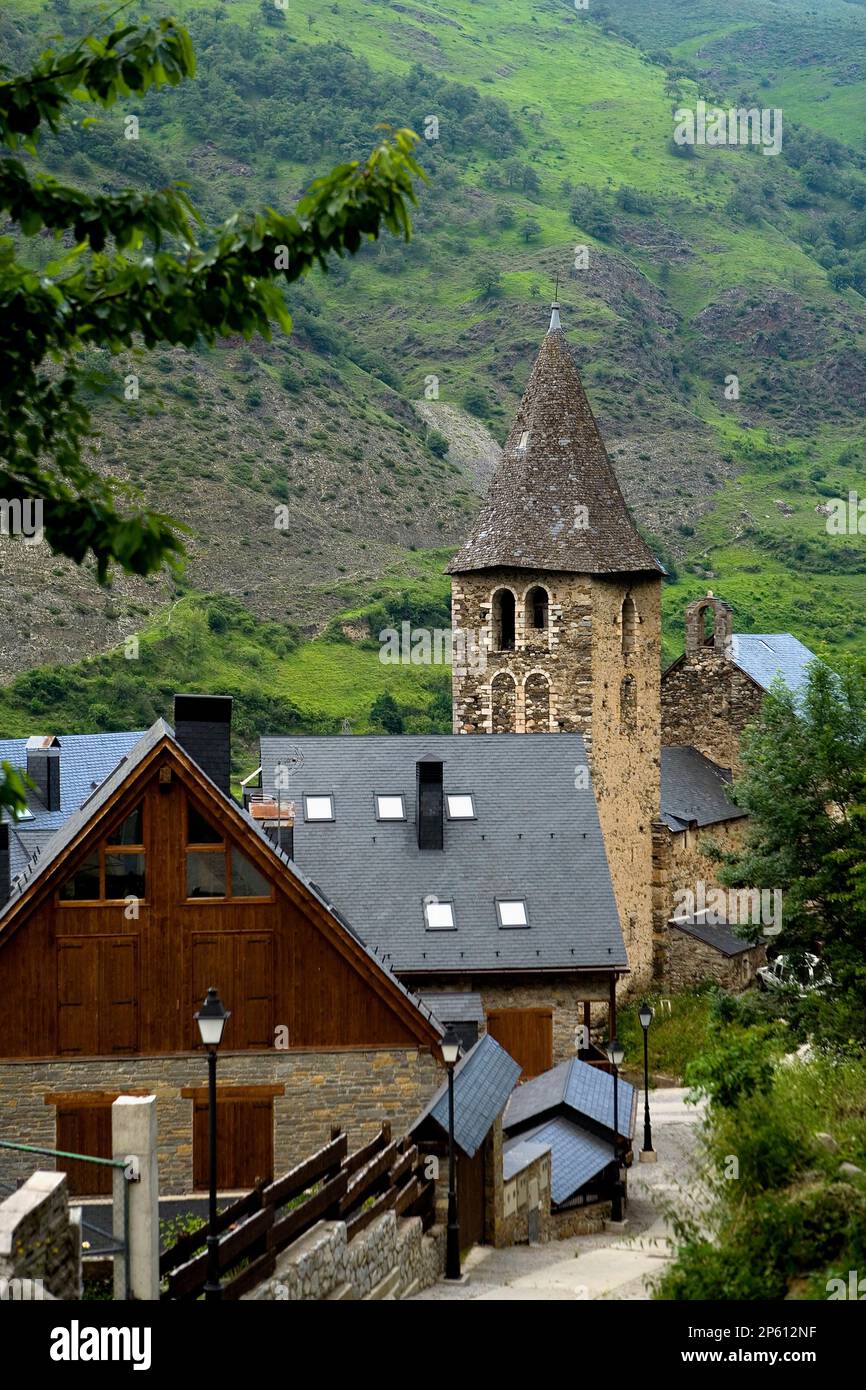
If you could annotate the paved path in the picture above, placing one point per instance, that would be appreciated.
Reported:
(615, 1265)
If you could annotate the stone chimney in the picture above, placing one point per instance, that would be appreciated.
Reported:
(430, 804)
(43, 768)
(203, 728)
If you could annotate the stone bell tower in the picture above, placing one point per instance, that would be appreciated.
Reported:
(561, 596)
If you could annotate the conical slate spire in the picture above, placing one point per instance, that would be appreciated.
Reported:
(554, 502)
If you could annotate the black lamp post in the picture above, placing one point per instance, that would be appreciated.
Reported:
(212, 1019)
(647, 1153)
(450, 1053)
(615, 1053)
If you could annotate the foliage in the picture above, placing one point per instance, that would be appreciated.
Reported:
(385, 713)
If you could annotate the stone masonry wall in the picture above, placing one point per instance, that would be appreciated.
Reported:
(38, 1241)
(691, 961)
(561, 994)
(609, 695)
(528, 1190)
(391, 1259)
(354, 1089)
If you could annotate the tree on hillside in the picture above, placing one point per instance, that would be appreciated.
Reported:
(385, 712)
(804, 788)
(142, 271)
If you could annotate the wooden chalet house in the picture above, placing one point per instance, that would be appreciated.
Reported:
(159, 886)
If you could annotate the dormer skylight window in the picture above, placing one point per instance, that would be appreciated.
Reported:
(461, 805)
(512, 912)
(390, 806)
(439, 916)
(318, 807)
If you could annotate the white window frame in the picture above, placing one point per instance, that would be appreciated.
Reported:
(390, 796)
(470, 796)
(440, 902)
(318, 796)
(512, 926)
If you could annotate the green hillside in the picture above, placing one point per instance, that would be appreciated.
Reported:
(554, 131)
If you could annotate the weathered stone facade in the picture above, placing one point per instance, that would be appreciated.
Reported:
(356, 1089)
(680, 863)
(526, 1204)
(599, 658)
(690, 962)
(706, 700)
(40, 1247)
(391, 1259)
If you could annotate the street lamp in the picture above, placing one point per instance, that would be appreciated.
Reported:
(647, 1153)
(212, 1019)
(615, 1053)
(450, 1052)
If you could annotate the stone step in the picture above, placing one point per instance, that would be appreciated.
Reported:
(386, 1288)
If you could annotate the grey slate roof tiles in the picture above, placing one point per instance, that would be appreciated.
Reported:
(483, 1080)
(455, 1007)
(763, 656)
(694, 790)
(577, 1087)
(576, 1156)
(535, 836)
(517, 1154)
(720, 935)
(554, 464)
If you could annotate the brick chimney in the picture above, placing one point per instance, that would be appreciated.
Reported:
(43, 768)
(203, 728)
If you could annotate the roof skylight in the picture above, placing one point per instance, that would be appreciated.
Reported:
(461, 805)
(439, 916)
(390, 806)
(319, 807)
(512, 912)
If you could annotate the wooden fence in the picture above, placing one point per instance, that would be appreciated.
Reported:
(332, 1185)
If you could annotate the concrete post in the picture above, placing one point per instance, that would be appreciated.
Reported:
(133, 1138)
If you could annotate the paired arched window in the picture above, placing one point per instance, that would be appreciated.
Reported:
(536, 616)
(629, 625)
(503, 615)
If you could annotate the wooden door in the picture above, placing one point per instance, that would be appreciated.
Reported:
(245, 1143)
(85, 1129)
(526, 1035)
(470, 1199)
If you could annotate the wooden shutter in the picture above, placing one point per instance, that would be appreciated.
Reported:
(255, 968)
(77, 995)
(526, 1035)
(119, 995)
(245, 1143)
(85, 1129)
(212, 964)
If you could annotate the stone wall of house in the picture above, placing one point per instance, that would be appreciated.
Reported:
(354, 1089)
(691, 961)
(40, 1247)
(391, 1259)
(527, 1192)
(601, 686)
(561, 993)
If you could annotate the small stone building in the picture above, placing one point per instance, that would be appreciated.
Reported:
(698, 950)
(715, 689)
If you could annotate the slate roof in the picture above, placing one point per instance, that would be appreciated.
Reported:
(553, 465)
(535, 836)
(483, 1080)
(763, 656)
(518, 1153)
(721, 936)
(694, 790)
(455, 1008)
(85, 761)
(575, 1155)
(75, 823)
(585, 1092)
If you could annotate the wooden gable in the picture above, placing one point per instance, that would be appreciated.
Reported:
(88, 968)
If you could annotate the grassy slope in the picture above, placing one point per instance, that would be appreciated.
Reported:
(594, 110)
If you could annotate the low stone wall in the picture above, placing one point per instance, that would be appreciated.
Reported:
(580, 1221)
(40, 1247)
(354, 1089)
(391, 1259)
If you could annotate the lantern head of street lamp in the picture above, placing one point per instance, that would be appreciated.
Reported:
(212, 1019)
(645, 1014)
(614, 1051)
(450, 1045)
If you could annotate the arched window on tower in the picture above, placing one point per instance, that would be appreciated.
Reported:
(629, 625)
(503, 621)
(536, 615)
